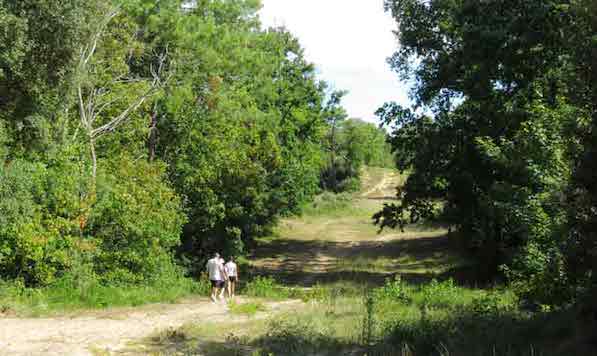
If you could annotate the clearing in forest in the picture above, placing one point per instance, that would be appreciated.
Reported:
(335, 240)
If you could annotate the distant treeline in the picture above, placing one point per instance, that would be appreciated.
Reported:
(137, 133)
(504, 135)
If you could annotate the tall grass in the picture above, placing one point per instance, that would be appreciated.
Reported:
(436, 318)
(430, 319)
(75, 292)
(331, 205)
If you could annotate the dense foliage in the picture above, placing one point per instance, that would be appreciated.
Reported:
(350, 145)
(136, 134)
(501, 140)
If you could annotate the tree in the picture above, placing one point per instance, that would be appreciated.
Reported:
(39, 46)
(335, 115)
(487, 136)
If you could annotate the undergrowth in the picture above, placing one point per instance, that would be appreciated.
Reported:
(438, 318)
(79, 291)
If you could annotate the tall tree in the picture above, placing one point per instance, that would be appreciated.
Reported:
(491, 141)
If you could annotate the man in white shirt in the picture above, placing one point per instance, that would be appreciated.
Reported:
(232, 273)
(216, 272)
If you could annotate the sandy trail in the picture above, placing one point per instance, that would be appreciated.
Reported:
(108, 331)
(385, 187)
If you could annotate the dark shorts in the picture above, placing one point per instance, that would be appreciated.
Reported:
(217, 284)
(232, 279)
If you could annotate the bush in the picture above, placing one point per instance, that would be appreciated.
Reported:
(538, 276)
(394, 289)
(136, 222)
(491, 304)
(50, 214)
(38, 220)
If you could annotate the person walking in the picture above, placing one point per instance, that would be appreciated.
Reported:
(232, 273)
(224, 279)
(216, 272)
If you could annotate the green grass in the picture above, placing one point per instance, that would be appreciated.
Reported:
(266, 287)
(331, 205)
(248, 308)
(70, 295)
(431, 319)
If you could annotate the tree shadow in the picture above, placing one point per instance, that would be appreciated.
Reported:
(385, 198)
(308, 262)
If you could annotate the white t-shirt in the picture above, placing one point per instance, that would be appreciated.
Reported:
(230, 269)
(214, 269)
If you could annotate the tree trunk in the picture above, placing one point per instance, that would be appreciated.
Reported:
(153, 135)
(332, 180)
(93, 161)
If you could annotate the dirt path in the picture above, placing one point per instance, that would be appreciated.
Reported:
(384, 188)
(108, 332)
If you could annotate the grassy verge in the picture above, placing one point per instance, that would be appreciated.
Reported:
(435, 318)
(248, 308)
(72, 294)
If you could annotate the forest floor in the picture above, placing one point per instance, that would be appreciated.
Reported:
(329, 246)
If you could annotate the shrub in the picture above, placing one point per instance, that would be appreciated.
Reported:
(38, 220)
(538, 276)
(137, 221)
(352, 184)
(394, 289)
(81, 288)
(203, 285)
(439, 294)
(491, 304)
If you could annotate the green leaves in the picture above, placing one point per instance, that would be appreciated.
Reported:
(158, 131)
(491, 134)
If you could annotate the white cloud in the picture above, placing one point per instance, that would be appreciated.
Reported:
(349, 41)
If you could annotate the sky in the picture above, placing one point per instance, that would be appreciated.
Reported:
(349, 42)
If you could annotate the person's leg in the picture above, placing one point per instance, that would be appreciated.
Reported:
(233, 289)
(229, 287)
(221, 296)
(214, 291)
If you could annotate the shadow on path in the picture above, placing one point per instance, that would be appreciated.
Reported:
(307, 262)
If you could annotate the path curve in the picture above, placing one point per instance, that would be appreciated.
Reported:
(108, 331)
